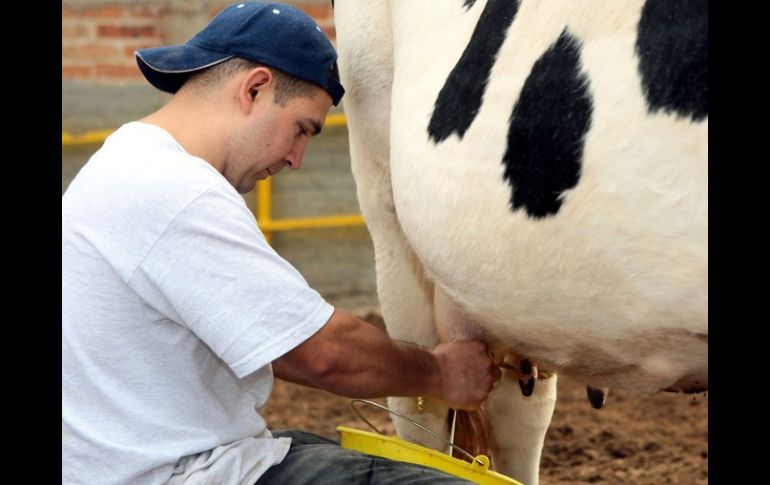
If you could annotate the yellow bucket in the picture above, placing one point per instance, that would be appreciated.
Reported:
(395, 448)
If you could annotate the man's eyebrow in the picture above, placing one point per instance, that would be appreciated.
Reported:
(317, 125)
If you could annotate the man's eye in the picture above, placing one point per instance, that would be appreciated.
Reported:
(302, 131)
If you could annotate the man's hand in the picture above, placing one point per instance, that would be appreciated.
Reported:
(468, 373)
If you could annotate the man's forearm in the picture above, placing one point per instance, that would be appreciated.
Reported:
(352, 358)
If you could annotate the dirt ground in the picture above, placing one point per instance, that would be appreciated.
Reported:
(639, 439)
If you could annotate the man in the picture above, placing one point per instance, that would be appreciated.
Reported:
(176, 313)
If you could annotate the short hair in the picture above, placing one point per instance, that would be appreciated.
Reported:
(287, 87)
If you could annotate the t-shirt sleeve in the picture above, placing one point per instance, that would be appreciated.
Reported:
(213, 272)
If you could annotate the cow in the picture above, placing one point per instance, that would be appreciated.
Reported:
(533, 173)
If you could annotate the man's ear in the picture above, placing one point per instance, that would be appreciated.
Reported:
(255, 86)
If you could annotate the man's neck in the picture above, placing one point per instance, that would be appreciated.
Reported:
(193, 127)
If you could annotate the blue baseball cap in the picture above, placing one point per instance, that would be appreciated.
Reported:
(278, 35)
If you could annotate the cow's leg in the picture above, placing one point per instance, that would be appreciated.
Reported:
(519, 425)
(366, 67)
(404, 293)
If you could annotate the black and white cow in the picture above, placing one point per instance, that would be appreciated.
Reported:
(534, 173)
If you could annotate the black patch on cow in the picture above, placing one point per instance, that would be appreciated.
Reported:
(547, 130)
(459, 100)
(672, 45)
(468, 4)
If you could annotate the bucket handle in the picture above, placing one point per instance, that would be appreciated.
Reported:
(474, 459)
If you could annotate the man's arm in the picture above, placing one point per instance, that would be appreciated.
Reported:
(352, 358)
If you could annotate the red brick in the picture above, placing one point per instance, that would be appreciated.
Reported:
(325, 23)
(330, 32)
(213, 11)
(76, 71)
(125, 31)
(76, 30)
(122, 71)
(88, 51)
(144, 11)
(128, 51)
(317, 11)
(104, 12)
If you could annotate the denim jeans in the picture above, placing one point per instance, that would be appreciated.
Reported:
(316, 460)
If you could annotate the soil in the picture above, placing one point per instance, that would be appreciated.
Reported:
(640, 439)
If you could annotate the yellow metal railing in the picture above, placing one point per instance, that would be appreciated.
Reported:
(87, 138)
(266, 223)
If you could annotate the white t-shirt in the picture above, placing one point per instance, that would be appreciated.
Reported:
(173, 307)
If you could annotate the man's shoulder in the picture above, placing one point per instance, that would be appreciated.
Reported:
(148, 153)
(141, 164)
(140, 180)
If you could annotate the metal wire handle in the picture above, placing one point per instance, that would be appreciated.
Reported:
(353, 401)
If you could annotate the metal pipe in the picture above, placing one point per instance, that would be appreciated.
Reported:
(87, 138)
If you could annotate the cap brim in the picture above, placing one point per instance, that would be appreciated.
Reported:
(168, 67)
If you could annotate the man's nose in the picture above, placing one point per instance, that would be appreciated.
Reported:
(294, 163)
(294, 160)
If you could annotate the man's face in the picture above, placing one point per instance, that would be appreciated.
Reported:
(275, 137)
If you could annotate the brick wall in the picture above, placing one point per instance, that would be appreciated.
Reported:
(99, 37)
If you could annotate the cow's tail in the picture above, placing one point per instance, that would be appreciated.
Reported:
(472, 433)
